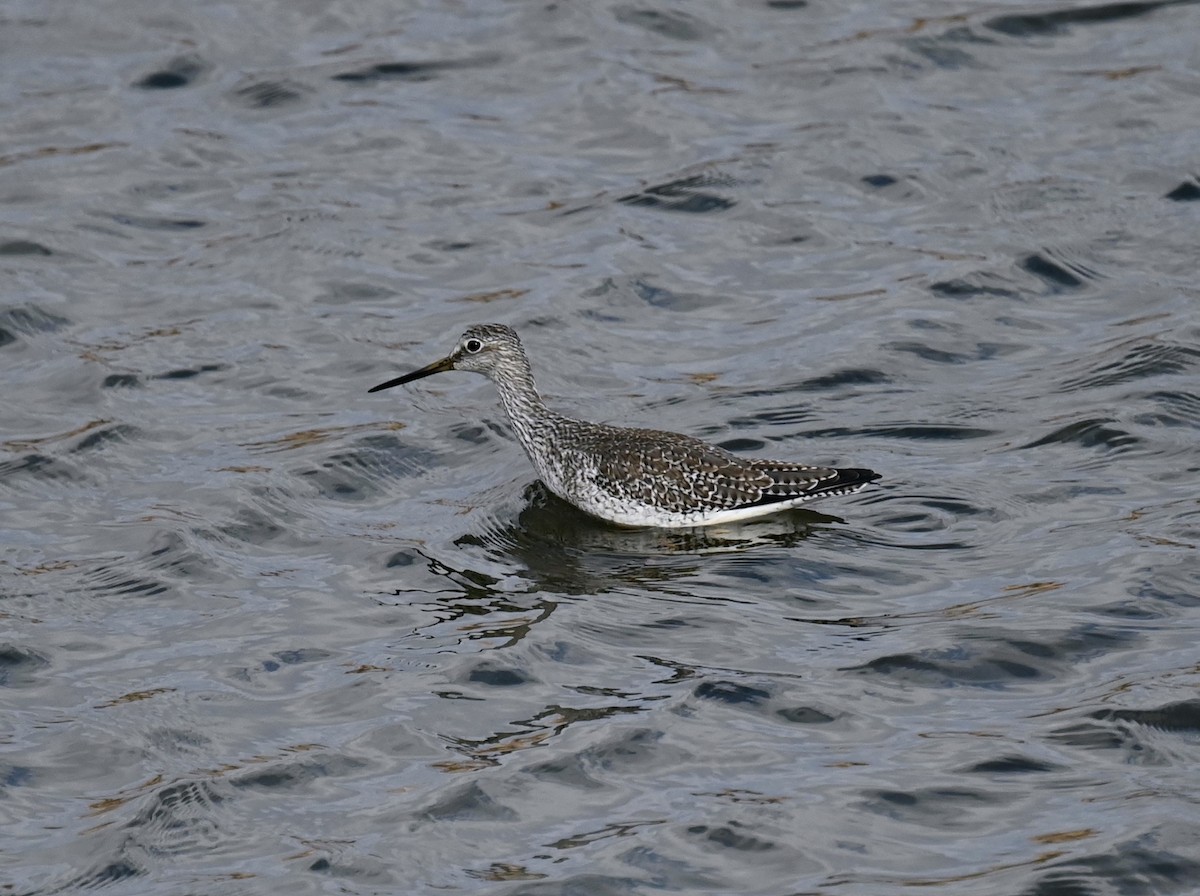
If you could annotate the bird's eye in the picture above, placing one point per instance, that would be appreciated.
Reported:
(473, 346)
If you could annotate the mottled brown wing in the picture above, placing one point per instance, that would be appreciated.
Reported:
(675, 472)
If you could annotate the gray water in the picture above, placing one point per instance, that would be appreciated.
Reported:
(262, 632)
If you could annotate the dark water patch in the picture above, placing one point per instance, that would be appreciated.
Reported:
(731, 835)
(11, 248)
(295, 773)
(776, 417)
(497, 676)
(1053, 274)
(270, 93)
(468, 802)
(451, 245)
(1012, 764)
(169, 552)
(949, 49)
(19, 665)
(1059, 21)
(340, 291)
(121, 381)
(402, 559)
(911, 522)
(355, 475)
(940, 514)
(943, 55)
(656, 296)
(105, 436)
(149, 222)
(1143, 865)
(27, 320)
(1188, 191)
(1178, 587)
(730, 692)
(121, 868)
(1092, 433)
(1140, 360)
(474, 434)
(1132, 732)
(686, 194)
(113, 872)
(628, 750)
(982, 351)
(838, 379)
(1063, 883)
(912, 431)
(297, 657)
(892, 188)
(1174, 409)
(849, 376)
(954, 507)
(187, 373)
(171, 190)
(1090, 736)
(253, 526)
(179, 72)
(41, 467)
(408, 71)
(16, 775)
(665, 23)
(973, 286)
(805, 715)
(991, 660)
(122, 581)
(669, 299)
(1131, 610)
(178, 819)
(938, 808)
(879, 180)
(566, 771)
(1174, 717)
(930, 668)
(411, 71)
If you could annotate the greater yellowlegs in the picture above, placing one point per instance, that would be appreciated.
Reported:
(632, 477)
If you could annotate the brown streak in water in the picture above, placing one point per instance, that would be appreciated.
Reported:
(26, 444)
(49, 151)
(494, 295)
(306, 437)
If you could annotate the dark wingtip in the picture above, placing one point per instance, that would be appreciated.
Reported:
(854, 476)
(847, 481)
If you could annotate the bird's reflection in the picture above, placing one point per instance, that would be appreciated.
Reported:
(564, 550)
(554, 551)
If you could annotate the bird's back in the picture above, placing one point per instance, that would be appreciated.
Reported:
(653, 477)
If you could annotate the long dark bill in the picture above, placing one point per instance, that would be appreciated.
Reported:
(436, 367)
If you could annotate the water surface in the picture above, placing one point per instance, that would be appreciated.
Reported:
(263, 632)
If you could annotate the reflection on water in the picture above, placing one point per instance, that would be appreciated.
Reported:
(260, 634)
(564, 550)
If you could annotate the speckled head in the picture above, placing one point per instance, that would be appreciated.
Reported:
(483, 348)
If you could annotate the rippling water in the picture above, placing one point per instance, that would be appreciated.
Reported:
(263, 632)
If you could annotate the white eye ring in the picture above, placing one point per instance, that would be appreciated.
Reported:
(473, 346)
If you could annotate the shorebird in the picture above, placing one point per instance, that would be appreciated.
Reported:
(632, 477)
